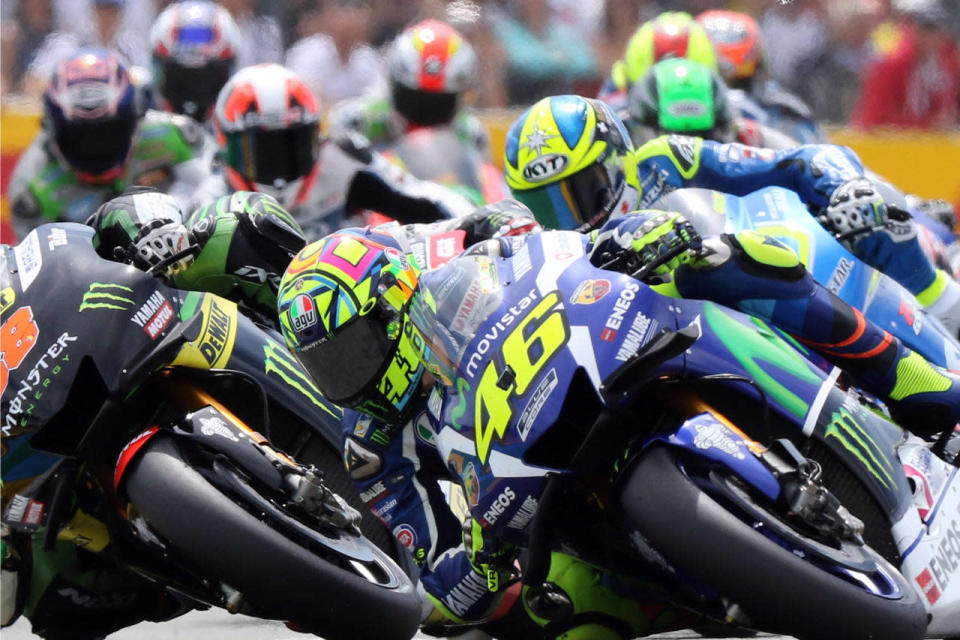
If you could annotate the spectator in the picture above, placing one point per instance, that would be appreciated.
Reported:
(542, 55)
(799, 34)
(333, 58)
(259, 34)
(109, 31)
(25, 25)
(918, 83)
(830, 82)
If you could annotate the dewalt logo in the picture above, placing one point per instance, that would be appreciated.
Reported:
(104, 295)
(213, 346)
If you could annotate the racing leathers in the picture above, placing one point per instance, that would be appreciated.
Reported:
(349, 178)
(171, 152)
(374, 117)
(398, 468)
(816, 173)
(238, 246)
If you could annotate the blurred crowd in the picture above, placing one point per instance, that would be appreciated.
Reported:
(850, 60)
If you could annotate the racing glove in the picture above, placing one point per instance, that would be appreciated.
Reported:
(164, 247)
(498, 220)
(652, 243)
(856, 208)
(489, 557)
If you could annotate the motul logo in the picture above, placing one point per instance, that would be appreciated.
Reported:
(159, 321)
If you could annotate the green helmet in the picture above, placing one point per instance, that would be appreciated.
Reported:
(671, 34)
(679, 96)
(570, 160)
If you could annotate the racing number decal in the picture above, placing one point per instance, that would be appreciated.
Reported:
(18, 335)
(526, 350)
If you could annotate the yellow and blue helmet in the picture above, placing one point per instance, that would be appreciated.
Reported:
(342, 305)
(570, 160)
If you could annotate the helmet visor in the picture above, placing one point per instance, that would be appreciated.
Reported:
(97, 147)
(581, 199)
(269, 155)
(192, 90)
(347, 364)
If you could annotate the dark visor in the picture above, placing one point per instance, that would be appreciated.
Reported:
(344, 365)
(268, 155)
(96, 147)
(573, 201)
(192, 90)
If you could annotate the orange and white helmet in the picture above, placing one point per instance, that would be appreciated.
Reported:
(736, 37)
(430, 65)
(268, 126)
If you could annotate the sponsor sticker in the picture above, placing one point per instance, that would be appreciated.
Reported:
(303, 313)
(500, 504)
(29, 259)
(406, 535)
(590, 291)
(545, 167)
(56, 238)
(716, 436)
(536, 402)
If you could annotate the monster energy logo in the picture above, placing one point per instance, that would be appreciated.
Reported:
(102, 295)
(280, 362)
(845, 428)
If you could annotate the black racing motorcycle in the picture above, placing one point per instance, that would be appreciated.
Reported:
(150, 426)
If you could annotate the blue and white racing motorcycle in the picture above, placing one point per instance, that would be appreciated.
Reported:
(683, 442)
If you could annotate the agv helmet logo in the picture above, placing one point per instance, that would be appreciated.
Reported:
(303, 313)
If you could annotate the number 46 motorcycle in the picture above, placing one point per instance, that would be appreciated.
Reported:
(132, 422)
(685, 442)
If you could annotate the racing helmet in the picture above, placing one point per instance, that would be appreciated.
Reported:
(194, 48)
(91, 111)
(430, 66)
(570, 160)
(736, 38)
(672, 34)
(680, 96)
(267, 124)
(342, 305)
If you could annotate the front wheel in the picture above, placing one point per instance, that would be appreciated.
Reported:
(281, 577)
(790, 584)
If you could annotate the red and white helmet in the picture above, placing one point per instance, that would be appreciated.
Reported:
(268, 126)
(194, 48)
(736, 37)
(430, 66)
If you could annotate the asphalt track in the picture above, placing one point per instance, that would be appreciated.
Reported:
(220, 625)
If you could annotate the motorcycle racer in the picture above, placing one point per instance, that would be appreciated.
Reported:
(678, 95)
(740, 55)
(194, 47)
(672, 34)
(96, 140)
(431, 67)
(571, 161)
(236, 247)
(346, 298)
(267, 124)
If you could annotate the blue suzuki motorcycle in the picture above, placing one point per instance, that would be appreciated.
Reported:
(686, 443)
(780, 213)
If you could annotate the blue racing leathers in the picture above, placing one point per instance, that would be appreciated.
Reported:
(814, 172)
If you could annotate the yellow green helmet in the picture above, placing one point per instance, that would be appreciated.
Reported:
(672, 34)
(342, 307)
(570, 160)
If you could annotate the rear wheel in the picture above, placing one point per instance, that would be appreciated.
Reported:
(280, 575)
(712, 527)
